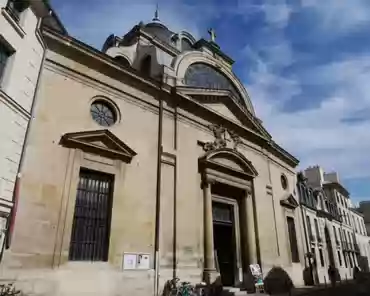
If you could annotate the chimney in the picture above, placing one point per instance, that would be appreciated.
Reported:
(315, 176)
(331, 177)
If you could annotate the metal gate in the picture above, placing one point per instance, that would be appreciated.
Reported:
(92, 216)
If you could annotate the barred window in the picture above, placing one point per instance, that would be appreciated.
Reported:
(92, 216)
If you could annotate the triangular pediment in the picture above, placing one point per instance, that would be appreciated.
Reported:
(223, 110)
(101, 142)
(224, 103)
(289, 202)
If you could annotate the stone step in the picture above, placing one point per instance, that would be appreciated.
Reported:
(232, 291)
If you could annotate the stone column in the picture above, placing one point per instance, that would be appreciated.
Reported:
(249, 240)
(210, 272)
(251, 231)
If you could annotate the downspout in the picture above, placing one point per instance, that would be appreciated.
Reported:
(305, 235)
(158, 196)
(11, 219)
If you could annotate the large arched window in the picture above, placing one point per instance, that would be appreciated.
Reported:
(205, 76)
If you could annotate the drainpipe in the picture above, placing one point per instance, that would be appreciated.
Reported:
(13, 212)
(158, 197)
(305, 235)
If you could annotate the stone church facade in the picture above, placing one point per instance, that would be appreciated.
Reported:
(146, 161)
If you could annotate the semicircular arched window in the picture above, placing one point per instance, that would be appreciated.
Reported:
(205, 76)
(122, 61)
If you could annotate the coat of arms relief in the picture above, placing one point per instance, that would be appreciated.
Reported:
(224, 138)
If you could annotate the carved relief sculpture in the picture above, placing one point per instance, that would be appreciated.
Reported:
(223, 138)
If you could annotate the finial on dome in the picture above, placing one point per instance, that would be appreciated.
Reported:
(156, 18)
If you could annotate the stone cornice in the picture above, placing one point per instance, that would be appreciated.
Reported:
(91, 52)
(230, 100)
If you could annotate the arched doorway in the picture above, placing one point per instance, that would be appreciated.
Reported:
(229, 227)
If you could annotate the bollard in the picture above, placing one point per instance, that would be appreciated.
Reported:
(325, 281)
(346, 279)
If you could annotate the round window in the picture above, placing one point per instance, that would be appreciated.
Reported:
(284, 182)
(103, 113)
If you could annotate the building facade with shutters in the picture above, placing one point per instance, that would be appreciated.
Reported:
(21, 54)
(147, 161)
(332, 226)
(364, 209)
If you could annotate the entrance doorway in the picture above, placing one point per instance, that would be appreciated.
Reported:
(224, 241)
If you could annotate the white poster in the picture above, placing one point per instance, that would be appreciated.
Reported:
(129, 261)
(255, 269)
(143, 261)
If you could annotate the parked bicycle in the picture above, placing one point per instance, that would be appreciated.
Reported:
(8, 290)
(173, 287)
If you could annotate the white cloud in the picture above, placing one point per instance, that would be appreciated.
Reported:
(276, 14)
(320, 136)
(340, 15)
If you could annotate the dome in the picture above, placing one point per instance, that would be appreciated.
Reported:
(159, 30)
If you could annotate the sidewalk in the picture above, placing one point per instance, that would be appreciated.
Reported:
(345, 288)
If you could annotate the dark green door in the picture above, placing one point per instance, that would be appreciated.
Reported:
(224, 242)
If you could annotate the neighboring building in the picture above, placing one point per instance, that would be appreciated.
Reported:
(363, 226)
(327, 207)
(21, 54)
(364, 209)
(361, 238)
(322, 226)
(144, 162)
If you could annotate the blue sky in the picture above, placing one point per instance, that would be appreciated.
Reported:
(305, 64)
